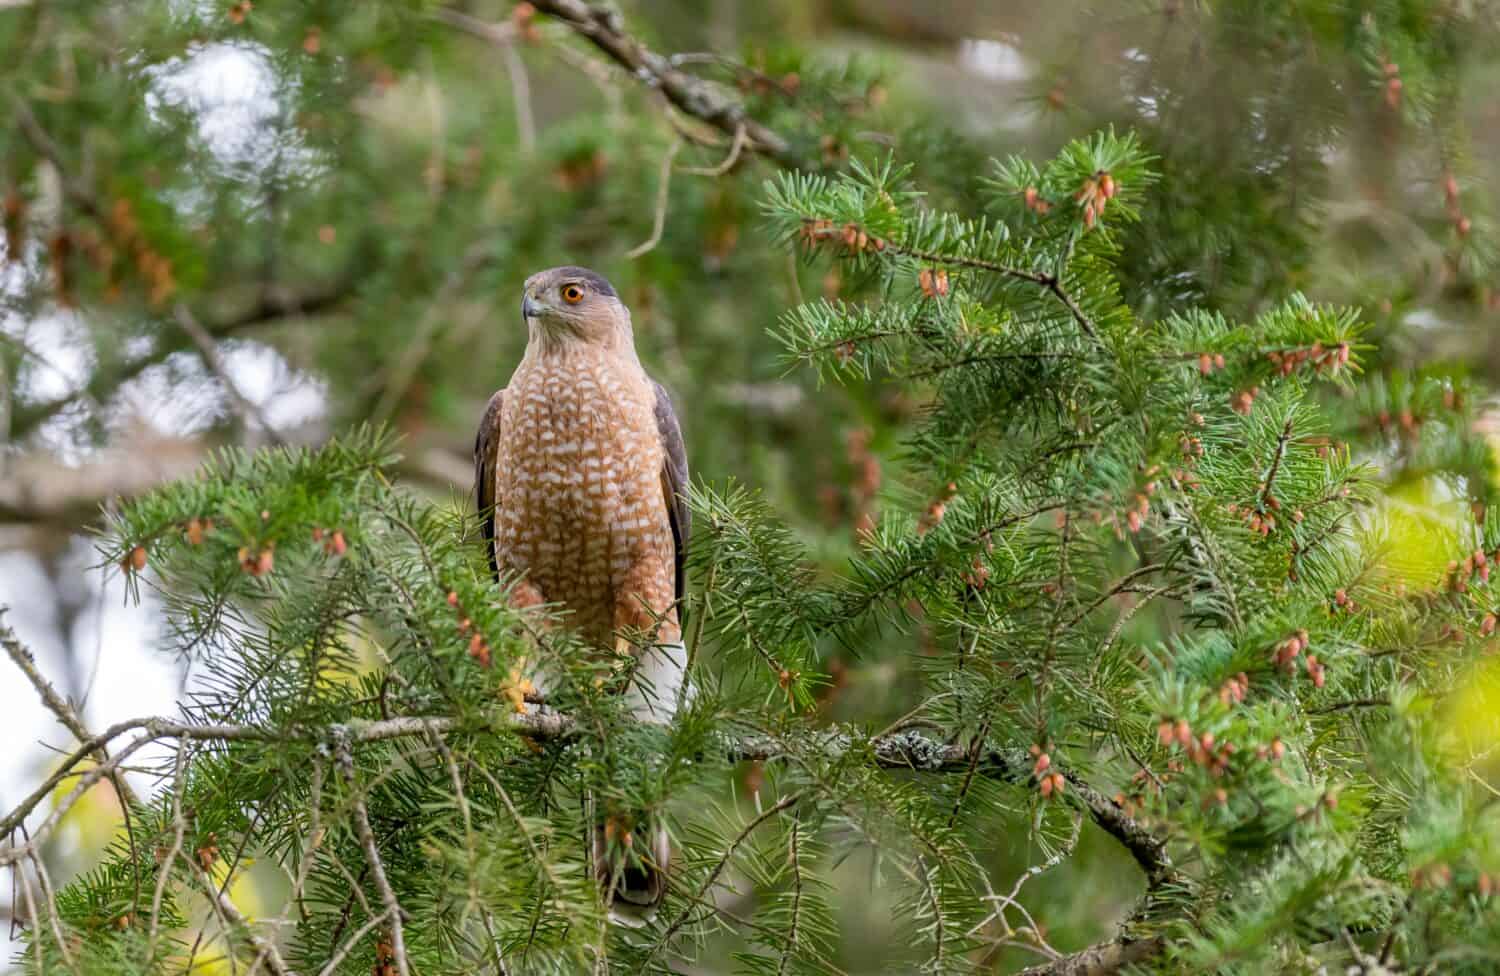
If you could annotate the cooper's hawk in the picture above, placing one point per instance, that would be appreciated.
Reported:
(580, 473)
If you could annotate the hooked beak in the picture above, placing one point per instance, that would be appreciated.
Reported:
(531, 309)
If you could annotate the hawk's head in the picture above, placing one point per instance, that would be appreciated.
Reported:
(573, 302)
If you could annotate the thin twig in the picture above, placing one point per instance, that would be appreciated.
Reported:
(54, 702)
(31, 912)
(230, 913)
(503, 36)
(520, 91)
(356, 893)
(1270, 479)
(309, 853)
(394, 383)
(179, 828)
(1346, 705)
(536, 853)
(69, 718)
(499, 34)
(937, 913)
(791, 935)
(1115, 590)
(659, 222)
(977, 750)
(372, 855)
(332, 965)
(45, 147)
(1050, 282)
(45, 881)
(208, 349)
(729, 161)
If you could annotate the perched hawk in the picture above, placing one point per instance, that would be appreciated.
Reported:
(579, 474)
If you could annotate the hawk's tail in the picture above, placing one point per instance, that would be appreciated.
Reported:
(632, 867)
(632, 872)
(657, 686)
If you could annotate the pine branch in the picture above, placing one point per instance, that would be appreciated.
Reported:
(906, 750)
(1050, 281)
(718, 868)
(911, 750)
(540, 723)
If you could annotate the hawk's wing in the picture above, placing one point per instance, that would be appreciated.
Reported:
(486, 453)
(674, 481)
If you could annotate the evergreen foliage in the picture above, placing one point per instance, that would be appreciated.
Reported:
(1181, 582)
(1280, 741)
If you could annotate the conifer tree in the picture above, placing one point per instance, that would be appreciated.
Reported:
(1151, 594)
(1274, 764)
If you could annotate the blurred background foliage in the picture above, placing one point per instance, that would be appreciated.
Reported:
(236, 222)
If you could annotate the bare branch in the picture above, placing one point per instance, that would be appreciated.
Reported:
(696, 97)
(272, 304)
(45, 881)
(728, 164)
(520, 93)
(395, 383)
(660, 221)
(33, 917)
(69, 718)
(499, 34)
(54, 702)
(248, 409)
(1102, 959)
(909, 750)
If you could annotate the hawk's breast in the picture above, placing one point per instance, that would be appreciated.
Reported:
(578, 495)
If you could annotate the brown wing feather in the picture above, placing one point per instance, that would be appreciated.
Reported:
(486, 451)
(674, 481)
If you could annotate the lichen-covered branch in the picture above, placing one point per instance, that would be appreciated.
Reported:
(694, 96)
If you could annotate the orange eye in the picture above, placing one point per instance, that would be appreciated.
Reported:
(572, 294)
